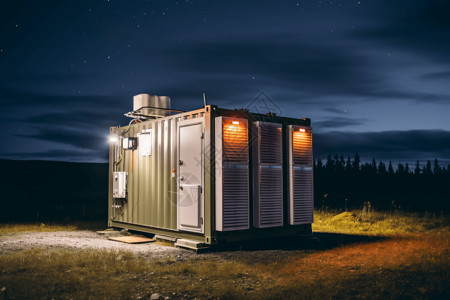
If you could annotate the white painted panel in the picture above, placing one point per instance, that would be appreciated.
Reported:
(190, 198)
(190, 205)
(145, 143)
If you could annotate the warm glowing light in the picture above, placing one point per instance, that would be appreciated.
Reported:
(235, 140)
(113, 139)
(302, 146)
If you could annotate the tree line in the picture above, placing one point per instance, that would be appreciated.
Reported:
(348, 183)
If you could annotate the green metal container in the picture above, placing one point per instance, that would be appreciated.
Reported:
(212, 175)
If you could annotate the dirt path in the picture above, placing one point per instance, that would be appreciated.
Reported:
(82, 239)
(86, 239)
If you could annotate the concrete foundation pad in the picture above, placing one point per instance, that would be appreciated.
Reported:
(190, 244)
(165, 238)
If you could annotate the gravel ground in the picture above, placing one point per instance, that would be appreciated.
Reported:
(83, 239)
(87, 239)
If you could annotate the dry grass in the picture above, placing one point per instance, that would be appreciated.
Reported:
(16, 228)
(412, 263)
(413, 267)
(379, 223)
(10, 228)
(80, 274)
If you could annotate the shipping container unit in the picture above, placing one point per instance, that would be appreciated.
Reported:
(211, 175)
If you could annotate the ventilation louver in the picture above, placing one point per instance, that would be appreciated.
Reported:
(232, 174)
(301, 196)
(267, 175)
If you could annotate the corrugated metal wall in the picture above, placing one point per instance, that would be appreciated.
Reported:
(152, 191)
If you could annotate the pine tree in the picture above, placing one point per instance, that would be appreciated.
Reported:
(330, 164)
(400, 169)
(417, 169)
(348, 166)
(337, 163)
(382, 168)
(373, 167)
(428, 170)
(390, 169)
(319, 165)
(356, 163)
(342, 161)
(437, 168)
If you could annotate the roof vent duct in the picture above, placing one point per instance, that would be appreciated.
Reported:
(147, 106)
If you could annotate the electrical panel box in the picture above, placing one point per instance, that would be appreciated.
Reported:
(145, 143)
(120, 184)
(130, 143)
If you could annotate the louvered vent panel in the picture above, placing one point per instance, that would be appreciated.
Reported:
(303, 195)
(302, 147)
(301, 181)
(270, 150)
(235, 141)
(271, 196)
(235, 197)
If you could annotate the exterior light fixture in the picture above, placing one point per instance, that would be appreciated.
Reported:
(235, 122)
(113, 139)
(301, 130)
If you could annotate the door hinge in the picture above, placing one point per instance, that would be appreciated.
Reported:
(201, 221)
(203, 135)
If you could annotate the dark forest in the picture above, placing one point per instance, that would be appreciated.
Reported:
(347, 183)
(39, 191)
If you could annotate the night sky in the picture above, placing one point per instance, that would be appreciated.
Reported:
(373, 76)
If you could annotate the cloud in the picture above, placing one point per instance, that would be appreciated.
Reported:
(26, 101)
(422, 28)
(83, 132)
(81, 139)
(338, 122)
(60, 155)
(437, 76)
(79, 118)
(392, 145)
(281, 61)
(295, 69)
(334, 110)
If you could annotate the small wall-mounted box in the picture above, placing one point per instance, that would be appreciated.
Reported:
(120, 184)
(130, 143)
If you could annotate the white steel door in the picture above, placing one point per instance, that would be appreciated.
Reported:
(190, 179)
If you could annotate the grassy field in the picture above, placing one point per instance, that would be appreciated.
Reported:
(379, 223)
(11, 228)
(411, 260)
